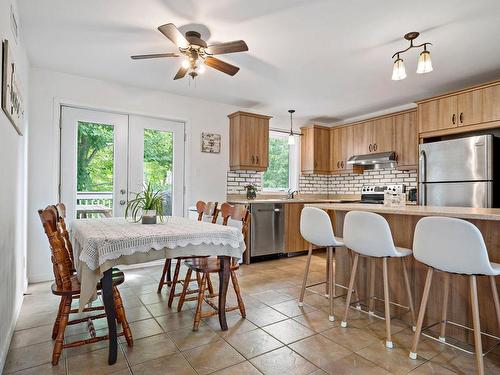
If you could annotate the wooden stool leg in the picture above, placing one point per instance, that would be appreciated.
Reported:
(387, 306)
(355, 291)
(210, 285)
(496, 300)
(328, 275)
(201, 296)
(331, 281)
(372, 287)
(477, 326)
(55, 328)
(236, 286)
(166, 270)
(408, 291)
(351, 286)
(174, 283)
(184, 289)
(306, 273)
(333, 274)
(421, 313)
(444, 310)
(121, 317)
(58, 346)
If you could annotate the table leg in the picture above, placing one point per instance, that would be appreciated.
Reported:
(225, 271)
(109, 307)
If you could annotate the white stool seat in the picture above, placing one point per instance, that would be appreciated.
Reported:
(496, 268)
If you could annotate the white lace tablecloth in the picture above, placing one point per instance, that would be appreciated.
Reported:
(100, 244)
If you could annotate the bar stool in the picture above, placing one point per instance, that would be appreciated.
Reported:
(316, 228)
(368, 234)
(454, 246)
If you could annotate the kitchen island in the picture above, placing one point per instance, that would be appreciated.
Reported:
(402, 221)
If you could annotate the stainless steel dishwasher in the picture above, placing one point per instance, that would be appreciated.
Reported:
(267, 229)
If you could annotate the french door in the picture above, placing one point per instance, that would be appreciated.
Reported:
(106, 158)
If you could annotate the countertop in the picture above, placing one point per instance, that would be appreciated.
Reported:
(302, 198)
(458, 212)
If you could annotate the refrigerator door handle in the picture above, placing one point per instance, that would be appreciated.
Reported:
(422, 161)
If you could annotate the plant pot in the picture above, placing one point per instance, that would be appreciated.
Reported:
(149, 217)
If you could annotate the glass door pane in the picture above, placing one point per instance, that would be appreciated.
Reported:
(157, 157)
(93, 163)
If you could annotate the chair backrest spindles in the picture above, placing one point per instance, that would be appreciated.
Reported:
(208, 209)
(60, 257)
(61, 221)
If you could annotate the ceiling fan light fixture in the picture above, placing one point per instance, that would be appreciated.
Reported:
(185, 64)
(398, 71)
(200, 69)
(424, 62)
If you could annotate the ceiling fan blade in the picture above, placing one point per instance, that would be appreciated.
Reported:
(221, 66)
(228, 47)
(154, 56)
(181, 73)
(173, 33)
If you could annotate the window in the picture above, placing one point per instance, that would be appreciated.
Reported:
(281, 172)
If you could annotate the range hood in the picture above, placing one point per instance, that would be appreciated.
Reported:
(374, 161)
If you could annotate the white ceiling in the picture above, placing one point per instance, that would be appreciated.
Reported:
(328, 59)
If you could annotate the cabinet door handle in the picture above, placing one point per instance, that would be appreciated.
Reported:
(374, 147)
(315, 164)
(342, 164)
(461, 117)
(453, 119)
(257, 159)
(338, 164)
(370, 147)
(253, 159)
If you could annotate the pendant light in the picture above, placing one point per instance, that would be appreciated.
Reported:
(424, 60)
(291, 136)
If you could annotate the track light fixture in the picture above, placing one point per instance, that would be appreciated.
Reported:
(424, 61)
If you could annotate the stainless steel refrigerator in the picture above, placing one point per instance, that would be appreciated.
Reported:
(458, 172)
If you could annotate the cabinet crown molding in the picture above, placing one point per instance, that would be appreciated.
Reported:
(242, 113)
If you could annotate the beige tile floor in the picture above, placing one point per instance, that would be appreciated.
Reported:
(277, 337)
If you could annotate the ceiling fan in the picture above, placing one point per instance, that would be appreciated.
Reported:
(196, 52)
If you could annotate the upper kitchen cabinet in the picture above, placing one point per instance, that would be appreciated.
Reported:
(374, 136)
(341, 148)
(406, 140)
(249, 141)
(471, 109)
(315, 149)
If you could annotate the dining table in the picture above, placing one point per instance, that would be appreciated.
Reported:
(103, 243)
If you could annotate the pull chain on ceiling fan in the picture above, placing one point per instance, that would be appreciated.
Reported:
(196, 52)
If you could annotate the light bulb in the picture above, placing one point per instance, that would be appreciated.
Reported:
(398, 71)
(200, 69)
(186, 64)
(424, 62)
(291, 139)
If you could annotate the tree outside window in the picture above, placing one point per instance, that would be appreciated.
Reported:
(277, 175)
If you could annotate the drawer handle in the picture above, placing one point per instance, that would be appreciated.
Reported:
(342, 164)
(338, 164)
(370, 147)
(375, 147)
(461, 117)
(257, 160)
(453, 119)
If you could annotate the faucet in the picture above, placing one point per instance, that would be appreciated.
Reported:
(291, 193)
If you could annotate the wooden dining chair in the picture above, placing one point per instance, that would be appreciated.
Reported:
(67, 286)
(205, 211)
(206, 266)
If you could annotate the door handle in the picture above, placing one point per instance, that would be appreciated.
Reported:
(370, 147)
(461, 118)
(253, 159)
(422, 166)
(374, 147)
(338, 164)
(122, 191)
(342, 164)
(453, 119)
(257, 159)
(122, 202)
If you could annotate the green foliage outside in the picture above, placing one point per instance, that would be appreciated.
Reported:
(95, 158)
(276, 176)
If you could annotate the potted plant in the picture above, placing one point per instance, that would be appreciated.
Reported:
(146, 206)
(251, 191)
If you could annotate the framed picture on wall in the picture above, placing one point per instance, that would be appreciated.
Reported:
(210, 143)
(12, 101)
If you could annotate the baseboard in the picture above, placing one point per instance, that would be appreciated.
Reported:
(40, 278)
(5, 349)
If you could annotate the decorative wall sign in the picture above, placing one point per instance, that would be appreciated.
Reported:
(12, 102)
(210, 142)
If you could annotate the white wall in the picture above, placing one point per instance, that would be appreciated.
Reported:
(12, 198)
(205, 173)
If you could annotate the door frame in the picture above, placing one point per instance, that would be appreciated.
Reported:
(58, 104)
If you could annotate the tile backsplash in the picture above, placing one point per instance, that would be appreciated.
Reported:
(345, 183)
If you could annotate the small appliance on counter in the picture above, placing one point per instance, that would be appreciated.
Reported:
(376, 194)
(459, 172)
